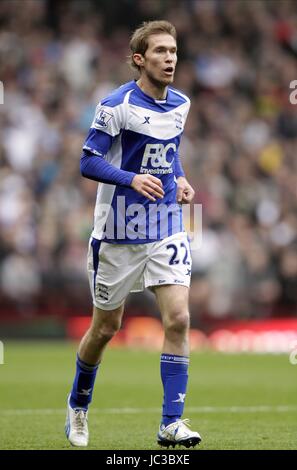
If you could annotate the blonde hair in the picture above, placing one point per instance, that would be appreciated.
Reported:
(139, 39)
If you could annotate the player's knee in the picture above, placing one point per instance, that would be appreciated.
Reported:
(178, 322)
(106, 331)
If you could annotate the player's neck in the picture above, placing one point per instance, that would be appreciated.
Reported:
(156, 90)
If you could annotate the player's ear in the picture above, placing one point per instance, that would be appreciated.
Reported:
(138, 59)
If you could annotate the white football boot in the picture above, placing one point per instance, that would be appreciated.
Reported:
(178, 433)
(76, 426)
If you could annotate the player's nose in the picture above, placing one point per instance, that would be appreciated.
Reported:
(169, 57)
(169, 61)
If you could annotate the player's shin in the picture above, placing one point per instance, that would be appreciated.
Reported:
(174, 374)
(82, 389)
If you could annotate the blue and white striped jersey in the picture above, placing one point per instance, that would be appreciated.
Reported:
(139, 134)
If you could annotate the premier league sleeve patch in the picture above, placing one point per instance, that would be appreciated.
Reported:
(108, 119)
(103, 118)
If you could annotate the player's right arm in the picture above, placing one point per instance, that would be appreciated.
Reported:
(149, 186)
(106, 126)
(98, 169)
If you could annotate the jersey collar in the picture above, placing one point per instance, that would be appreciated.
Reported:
(148, 97)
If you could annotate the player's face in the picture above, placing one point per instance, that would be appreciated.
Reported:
(160, 59)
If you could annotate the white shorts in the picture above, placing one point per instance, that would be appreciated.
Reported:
(114, 270)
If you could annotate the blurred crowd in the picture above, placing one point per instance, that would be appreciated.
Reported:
(237, 59)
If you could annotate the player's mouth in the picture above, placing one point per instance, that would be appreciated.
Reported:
(169, 71)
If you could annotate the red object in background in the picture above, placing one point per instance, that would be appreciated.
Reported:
(257, 336)
(284, 31)
(262, 336)
(270, 324)
(77, 326)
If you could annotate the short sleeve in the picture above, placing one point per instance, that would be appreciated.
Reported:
(107, 124)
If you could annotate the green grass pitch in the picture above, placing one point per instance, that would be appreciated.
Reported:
(234, 401)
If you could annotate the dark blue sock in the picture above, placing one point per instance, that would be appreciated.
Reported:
(82, 389)
(174, 374)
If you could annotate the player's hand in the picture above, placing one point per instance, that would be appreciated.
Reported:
(149, 186)
(185, 192)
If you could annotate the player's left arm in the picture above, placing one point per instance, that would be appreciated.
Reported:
(185, 193)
